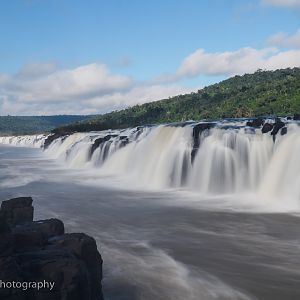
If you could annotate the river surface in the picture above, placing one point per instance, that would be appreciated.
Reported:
(167, 244)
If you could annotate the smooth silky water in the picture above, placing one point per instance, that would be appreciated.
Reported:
(223, 225)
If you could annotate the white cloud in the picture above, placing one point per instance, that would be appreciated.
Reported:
(284, 40)
(44, 89)
(245, 60)
(282, 3)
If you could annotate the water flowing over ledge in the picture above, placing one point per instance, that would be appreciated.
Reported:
(223, 157)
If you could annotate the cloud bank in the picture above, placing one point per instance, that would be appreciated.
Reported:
(43, 89)
(245, 60)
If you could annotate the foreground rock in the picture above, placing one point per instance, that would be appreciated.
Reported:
(38, 253)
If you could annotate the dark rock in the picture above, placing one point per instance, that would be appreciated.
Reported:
(36, 234)
(69, 274)
(48, 228)
(17, 210)
(98, 142)
(255, 123)
(53, 137)
(267, 128)
(4, 228)
(85, 249)
(197, 129)
(277, 126)
(283, 131)
(296, 117)
(40, 251)
(10, 271)
(7, 244)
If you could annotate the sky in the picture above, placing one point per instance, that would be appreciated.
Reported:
(95, 56)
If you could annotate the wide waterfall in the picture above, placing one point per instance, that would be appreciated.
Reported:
(221, 157)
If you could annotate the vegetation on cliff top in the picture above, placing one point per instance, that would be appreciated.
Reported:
(251, 95)
(30, 125)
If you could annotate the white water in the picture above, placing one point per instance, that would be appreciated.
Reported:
(229, 160)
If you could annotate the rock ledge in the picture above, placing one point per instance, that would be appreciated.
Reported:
(41, 251)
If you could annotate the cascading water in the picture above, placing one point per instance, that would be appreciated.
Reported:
(222, 157)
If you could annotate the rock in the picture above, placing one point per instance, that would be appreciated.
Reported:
(267, 128)
(283, 131)
(296, 117)
(48, 228)
(4, 228)
(277, 126)
(85, 249)
(98, 142)
(10, 271)
(197, 129)
(40, 251)
(53, 137)
(18, 210)
(69, 274)
(255, 123)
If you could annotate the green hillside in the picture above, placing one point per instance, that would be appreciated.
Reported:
(262, 93)
(29, 125)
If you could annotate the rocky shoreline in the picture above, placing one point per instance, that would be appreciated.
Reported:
(39, 261)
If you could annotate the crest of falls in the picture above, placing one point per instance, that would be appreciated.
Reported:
(221, 157)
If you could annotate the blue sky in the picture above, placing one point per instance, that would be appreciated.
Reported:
(92, 56)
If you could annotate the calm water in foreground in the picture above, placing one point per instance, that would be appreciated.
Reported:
(164, 245)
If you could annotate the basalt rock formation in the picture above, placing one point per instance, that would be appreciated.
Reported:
(41, 252)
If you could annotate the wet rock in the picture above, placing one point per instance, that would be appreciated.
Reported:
(41, 251)
(4, 228)
(283, 131)
(98, 142)
(197, 129)
(17, 210)
(53, 137)
(296, 117)
(267, 128)
(69, 274)
(255, 123)
(277, 126)
(84, 247)
(10, 271)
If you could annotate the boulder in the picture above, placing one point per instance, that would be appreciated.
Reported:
(70, 275)
(53, 137)
(4, 228)
(277, 126)
(296, 117)
(256, 122)
(18, 210)
(41, 251)
(10, 271)
(85, 249)
(197, 130)
(267, 128)
(283, 131)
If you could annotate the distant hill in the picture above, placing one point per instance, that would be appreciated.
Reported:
(251, 95)
(13, 125)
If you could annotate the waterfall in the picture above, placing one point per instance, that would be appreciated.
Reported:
(212, 158)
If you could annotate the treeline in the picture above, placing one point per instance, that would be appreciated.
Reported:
(251, 95)
(18, 125)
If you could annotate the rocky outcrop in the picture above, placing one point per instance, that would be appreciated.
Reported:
(36, 253)
(255, 122)
(54, 136)
(197, 130)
